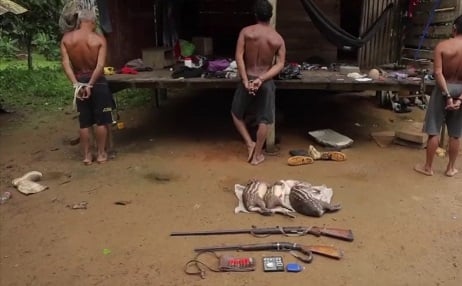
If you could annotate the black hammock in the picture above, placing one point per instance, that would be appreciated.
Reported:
(337, 35)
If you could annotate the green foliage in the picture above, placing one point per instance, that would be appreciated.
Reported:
(46, 45)
(47, 87)
(42, 17)
(8, 47)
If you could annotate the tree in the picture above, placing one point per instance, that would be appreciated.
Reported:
(42, 17)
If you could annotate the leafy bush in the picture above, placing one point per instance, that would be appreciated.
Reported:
(47, 46)
(8, 47)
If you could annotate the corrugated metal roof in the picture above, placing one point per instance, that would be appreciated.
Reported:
(10, 6)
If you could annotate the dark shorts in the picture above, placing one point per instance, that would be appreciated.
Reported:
(437, 115)
(97, 109)
(264, 102)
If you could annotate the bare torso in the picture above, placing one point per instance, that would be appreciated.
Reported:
(83, 47)
(452, 59)
(261, 44)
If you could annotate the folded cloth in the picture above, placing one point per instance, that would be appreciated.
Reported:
(321, 192)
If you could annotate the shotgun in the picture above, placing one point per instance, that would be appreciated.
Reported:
(306, 250)
(343, 234)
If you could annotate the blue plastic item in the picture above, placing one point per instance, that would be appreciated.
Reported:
(294, 267)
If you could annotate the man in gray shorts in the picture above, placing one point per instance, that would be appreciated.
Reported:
(445, 102)
(256, 49)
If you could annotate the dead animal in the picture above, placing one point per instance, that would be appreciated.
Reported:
(274, 199)
(252, 197)
(303, 202)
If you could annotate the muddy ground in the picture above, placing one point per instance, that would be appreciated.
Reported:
(178, 164)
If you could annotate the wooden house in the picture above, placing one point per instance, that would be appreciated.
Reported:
(143, 24)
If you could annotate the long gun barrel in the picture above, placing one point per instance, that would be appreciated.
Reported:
(343, 234)
(306, 250)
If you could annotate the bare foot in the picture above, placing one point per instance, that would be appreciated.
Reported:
(421, 169)
(251, 150)
(102, 158)
(257, 160)
(88, 159)
(452, 172)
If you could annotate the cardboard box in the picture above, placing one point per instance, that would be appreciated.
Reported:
(158, 58)
(204, 46)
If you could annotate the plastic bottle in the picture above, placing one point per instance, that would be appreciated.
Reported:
(5, 197)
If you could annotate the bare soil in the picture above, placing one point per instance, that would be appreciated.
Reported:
(177, 166)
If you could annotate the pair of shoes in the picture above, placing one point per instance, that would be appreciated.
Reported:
(300, 160)
(329, 155)
(333, 156)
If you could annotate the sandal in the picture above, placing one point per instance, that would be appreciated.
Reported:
(299, 160)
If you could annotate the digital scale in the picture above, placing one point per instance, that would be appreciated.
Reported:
(273, 264)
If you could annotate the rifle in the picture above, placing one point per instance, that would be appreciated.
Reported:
(343, 234)
(306, 250)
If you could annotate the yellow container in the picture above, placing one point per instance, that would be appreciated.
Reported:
(120, 125)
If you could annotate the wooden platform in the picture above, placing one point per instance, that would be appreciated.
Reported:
(159, 80)
(320, 80)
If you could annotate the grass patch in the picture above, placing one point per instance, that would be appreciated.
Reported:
(38, 62)
(46, 87)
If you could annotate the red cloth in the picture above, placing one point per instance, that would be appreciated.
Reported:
(128, 70)
(412, 7)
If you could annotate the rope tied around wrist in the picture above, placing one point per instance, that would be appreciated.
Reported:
(77, 87)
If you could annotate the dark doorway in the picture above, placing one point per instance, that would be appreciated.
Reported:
(350, 21)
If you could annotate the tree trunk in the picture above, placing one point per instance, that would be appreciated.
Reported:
(29, 52)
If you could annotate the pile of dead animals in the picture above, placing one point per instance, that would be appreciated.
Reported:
(260, 197)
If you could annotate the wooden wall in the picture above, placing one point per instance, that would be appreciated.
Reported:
(133, 30)
(303, 39)
(440, 28)
(133, 27)
(384, 48)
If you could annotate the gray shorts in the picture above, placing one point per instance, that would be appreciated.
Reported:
(264, 100)
(437, 115)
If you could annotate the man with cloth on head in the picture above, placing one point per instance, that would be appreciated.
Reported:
(83, 54)
(260, 55)
(445, 102)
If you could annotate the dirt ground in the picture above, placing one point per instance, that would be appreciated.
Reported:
(178, 165)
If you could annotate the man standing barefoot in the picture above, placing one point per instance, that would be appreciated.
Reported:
(83, 57)
(445, 102)
(260, 55)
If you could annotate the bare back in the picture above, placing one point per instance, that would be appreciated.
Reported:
(450, 52)
(261, 45)
(83, 48)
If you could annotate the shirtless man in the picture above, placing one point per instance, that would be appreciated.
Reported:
(257, 47)
(83, 54)
(445, 102)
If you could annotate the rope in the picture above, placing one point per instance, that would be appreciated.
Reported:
(77, 87)
(427, 26)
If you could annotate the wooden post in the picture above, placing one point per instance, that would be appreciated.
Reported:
(271, 136)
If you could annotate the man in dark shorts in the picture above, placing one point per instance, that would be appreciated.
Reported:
(260, 56)
(445, 102)
(83, 57)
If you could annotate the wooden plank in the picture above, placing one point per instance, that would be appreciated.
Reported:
(423, 54)
(428, 6)
(427, 43)
(433, 31)
(439, 17)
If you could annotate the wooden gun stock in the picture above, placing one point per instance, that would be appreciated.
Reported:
(324, 250)
(344, 234)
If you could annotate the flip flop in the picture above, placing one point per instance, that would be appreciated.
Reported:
(299, 160)
(333, 156)
(451, 174)
(87, 162)
(251, 153)
(420, 169)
